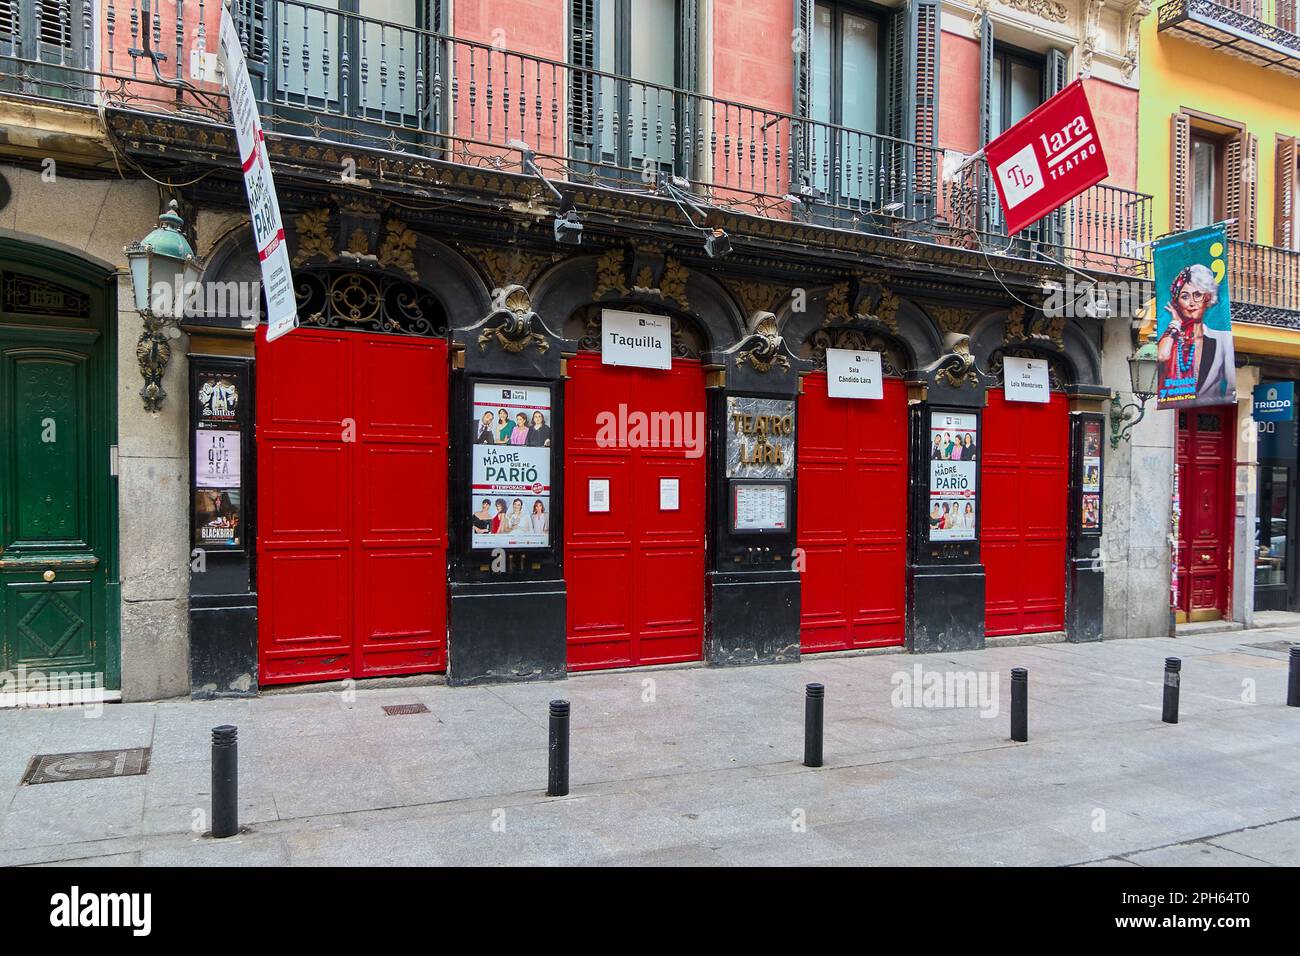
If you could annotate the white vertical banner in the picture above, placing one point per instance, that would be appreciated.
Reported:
(263, 206)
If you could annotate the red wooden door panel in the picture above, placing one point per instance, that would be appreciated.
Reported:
(636, 572)
(1024, 494)
(852, 462)
(1206, 450)
(352, 466)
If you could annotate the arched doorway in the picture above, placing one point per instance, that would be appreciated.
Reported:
(1025, 494)
(635, 493)
(352, 481)
(58, 506)
(852, 523)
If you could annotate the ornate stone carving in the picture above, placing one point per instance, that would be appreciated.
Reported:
(958, 366)
(510, 324)
(886, 312)
(314, 238)
(610, 279)
(398, 250)
(1134, 29)
(673, 284)
(979, 15)
(758, 296)
(1091, 35)
(951, 318)
(837, 304)
(507, 267)
(1035, 329)
(762, 347)
(1047, 9)
(857, 340)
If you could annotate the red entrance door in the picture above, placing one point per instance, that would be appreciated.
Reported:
(352, 505)
(1205, 460)
(852, 517)
(1024, 493)
(635, 571)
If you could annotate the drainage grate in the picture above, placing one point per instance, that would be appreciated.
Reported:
(55, 768)
(398, 710)
(1280, 646)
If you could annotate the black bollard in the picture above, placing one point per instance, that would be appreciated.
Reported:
(1019, 704)
(1293, 682)
(814, 712)
(557, 774)
(225, 781)
(1173, 679)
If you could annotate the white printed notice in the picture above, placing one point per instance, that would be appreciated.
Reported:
(953, 466)
(633, 338)
(852, 374)
(1025, 380)
(216, 459)
(511, 494)
(263, 206)
(759, 507)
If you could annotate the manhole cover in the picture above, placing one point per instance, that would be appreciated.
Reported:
(397, 710)
(53, 768)
(1282, 647)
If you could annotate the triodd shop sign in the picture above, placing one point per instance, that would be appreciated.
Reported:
(511, 493)
(953, 463)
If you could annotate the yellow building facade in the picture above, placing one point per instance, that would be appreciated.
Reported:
(1219, 123)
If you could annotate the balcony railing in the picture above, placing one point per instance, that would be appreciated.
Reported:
(1264, 282)
(1264, 32)
(352, 79)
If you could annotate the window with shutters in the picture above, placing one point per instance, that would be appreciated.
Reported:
(633, 112)
(1214, 166)
(55, 37)
(1286, 180)
(847, 99)
(335, 56)
(1016, 87)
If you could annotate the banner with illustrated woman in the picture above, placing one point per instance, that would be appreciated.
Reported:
(1193, 321)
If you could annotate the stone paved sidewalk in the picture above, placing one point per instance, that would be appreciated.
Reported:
(702, 766)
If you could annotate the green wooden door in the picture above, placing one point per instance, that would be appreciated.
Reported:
(58, 607)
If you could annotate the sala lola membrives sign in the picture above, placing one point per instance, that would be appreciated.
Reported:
(1047, 159)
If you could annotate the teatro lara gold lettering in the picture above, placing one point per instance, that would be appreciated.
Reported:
(755, 436)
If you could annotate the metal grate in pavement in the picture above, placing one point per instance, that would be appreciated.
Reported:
(56, 768)
(398, 710)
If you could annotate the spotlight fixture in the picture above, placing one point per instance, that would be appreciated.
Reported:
(806, 195)
(568, 228)
(717, 243)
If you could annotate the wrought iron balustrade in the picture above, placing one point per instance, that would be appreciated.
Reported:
(1264, 283)
(1263, 32)
(347, 78)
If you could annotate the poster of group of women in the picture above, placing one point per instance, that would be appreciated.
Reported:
(511, 506)
(953, 450)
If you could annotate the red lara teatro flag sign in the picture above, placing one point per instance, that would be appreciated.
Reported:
(1047, 159)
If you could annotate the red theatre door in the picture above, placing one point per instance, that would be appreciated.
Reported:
(352, 505)
(634, 525)
(852, 464)
(1205, 465)
(1025, 494)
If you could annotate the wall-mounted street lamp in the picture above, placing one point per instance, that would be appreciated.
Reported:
(1144, 377)
(164, 273)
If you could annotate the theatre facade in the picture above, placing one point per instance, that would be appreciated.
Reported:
(792, 391)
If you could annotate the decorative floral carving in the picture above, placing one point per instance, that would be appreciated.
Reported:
(857, 340)
(1036, 328)
(398, 250)
(1047, 9)
(507, 267)
(610, 279)
(359, 243)
(958, 366)
(887, 310)
(673, 283)
(314, 238)
(756, 296)
(837, 304)
(1134, 21)
(951, 318)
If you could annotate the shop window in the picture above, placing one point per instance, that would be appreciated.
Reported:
(1271, 526)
